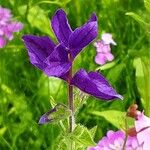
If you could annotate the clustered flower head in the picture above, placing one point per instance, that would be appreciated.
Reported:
(142, 126)
(115, 141)
(138, 137)
(7, 26)
(56, 59)
(103, 49)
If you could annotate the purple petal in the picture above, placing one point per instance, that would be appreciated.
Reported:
(58, 63)
(82, 36)
(44, 119)
(65, 76)
(93, 17)
(61, 27)
(94, 84)
(39, 48)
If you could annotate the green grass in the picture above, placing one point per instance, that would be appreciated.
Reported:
(25, 91)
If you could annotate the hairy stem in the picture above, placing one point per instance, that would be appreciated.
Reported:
(70, 98)
(70, 102)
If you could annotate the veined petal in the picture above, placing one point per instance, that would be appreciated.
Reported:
(82, 36)
(39, 48)
(94, 84)
(61, 27)
(58, 63)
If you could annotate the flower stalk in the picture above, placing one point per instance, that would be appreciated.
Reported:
(70, 97)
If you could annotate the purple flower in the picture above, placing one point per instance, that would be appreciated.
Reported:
(57, 59)
(103, 49)
(115, 141)
(7, 26)
(53, 59)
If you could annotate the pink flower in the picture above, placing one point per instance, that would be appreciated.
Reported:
(7, 26)
(103, 49)
(107, 38)
(115, 141)
(142, 125)
(5, 15)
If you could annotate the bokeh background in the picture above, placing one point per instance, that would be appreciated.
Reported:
(25, 92)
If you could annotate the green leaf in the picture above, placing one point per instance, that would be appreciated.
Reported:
(2, 131)
(93, 131)
(142, 67)
(114, 73)
(82, 136)
(57, 2)
(39, 19)
(137, 18)
(79, 100)
(6, 89)
(61, 143)
(147, 4)
(115, 117)
(59, 112)
(80, 139)
(107, 66)
(52, 102)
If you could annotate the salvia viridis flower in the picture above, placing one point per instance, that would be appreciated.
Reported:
(56, 59)
(103, 49)
(7, 26)
(116, 141)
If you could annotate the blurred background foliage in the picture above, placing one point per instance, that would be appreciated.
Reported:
(25, 91)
